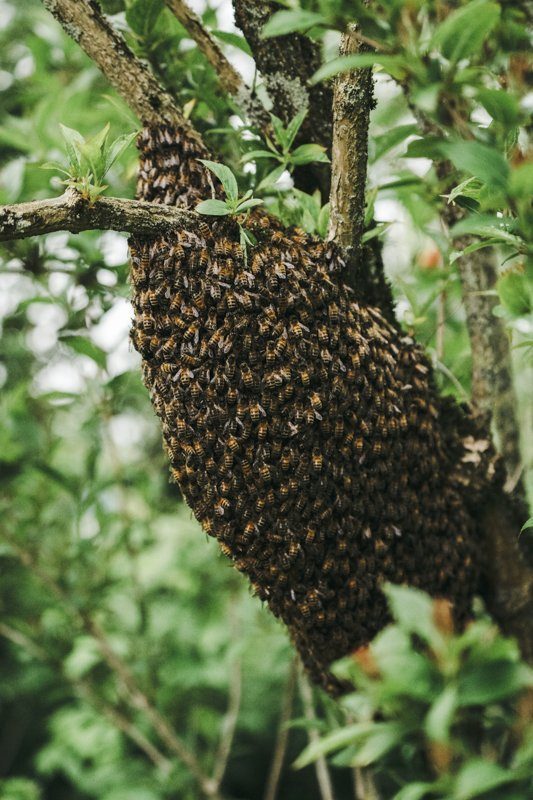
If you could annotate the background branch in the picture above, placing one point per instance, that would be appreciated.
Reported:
(286, 64)
(230, 80)
(321, 767)
(282, 737)
(71, 212)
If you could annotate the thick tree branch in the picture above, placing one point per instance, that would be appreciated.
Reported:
(353, 100)
(84, 21)
(230, 80)
(71, 212)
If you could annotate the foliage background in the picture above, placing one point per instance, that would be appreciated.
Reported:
(91, 529)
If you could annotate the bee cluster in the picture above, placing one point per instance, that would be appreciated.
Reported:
(303, 429)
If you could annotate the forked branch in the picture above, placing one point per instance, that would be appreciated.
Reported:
(84, 21)
(230, 80)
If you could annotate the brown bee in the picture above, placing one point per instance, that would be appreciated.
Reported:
(270, 354)
(317, 460)
(262, 431)
(316, 401)
(247, 376)
(256, 411)
(280, 346)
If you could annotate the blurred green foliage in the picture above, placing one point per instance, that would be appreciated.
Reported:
(103, 569)
(436, 713)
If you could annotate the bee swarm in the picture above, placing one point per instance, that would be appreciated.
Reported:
(303, 429)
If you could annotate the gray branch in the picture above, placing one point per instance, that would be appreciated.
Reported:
(71, 212)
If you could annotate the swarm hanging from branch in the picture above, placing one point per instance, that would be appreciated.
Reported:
(304, 430)
(292, 415)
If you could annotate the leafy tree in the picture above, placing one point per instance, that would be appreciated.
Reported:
(135, 665)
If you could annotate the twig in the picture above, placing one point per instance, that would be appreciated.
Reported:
(230, 80)
(229, 723)
(321, 767)
(71, 212)
(282, 737)
(118, 719)
(84, 21)
(126, 679)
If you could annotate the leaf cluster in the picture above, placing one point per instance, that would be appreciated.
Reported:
(433, 710)
(89, 160)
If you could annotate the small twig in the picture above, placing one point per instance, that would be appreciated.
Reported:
(282, 737)
(441, 325)
(230, 80)
(126, 679)
(71, 212)
(84, 21)
(229, 723)
(322, 772)
(118, 719)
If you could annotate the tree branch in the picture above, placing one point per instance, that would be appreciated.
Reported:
(230, 80)
(84, 21)
(353, 100)
(71, 212)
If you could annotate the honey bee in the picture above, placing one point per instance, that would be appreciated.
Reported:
(323, 336)
(256, 411)
(232, 395)
(227, 460)
(280, 346)
(247, 376)
(316, 401)
(246, 468)
(317, 459)
(262, 431)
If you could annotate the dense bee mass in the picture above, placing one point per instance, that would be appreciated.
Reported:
(302, 428)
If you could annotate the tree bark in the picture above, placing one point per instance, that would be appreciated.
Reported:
(71, 212)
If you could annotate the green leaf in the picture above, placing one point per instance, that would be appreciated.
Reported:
(515, 293)
(492, 681)
(56, 166)
(73, 142)
(487, 226)
(529, 523)
(84, 346)
(309, 153)
(246, 204)
(214, 208)
(234, 40)
(413, 611)
(382, 144)
(478, 777)
(333, 741)
(116, 149)
(440, 716)
(92, 150)
(294, 126)
(141, 15)
(253, 155)
(271, 178)
(395, 66)
(428, 147)
(463, 31)
(521, 181)
(502, 106)
(481, 161)
(323, 221)
(380, 741)
(284, 22)
(225, 176)
(280, 133)
(416, 791)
